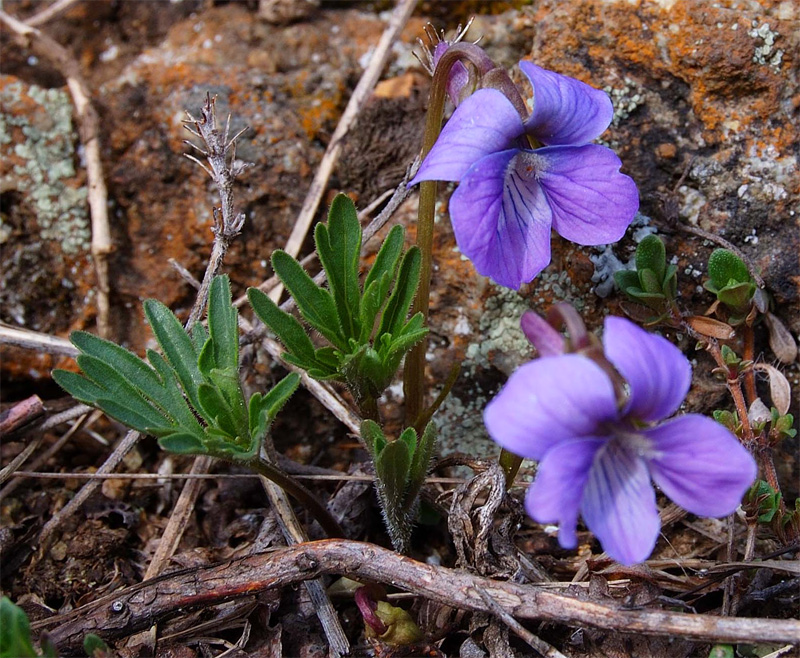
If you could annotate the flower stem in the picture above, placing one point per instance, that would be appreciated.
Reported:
(510, 464)
(414, 374)
(294, 488)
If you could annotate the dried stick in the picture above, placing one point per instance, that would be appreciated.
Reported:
(34, 340)
(89, 128)
(534, 642)
(361, 93)
(124, 612)
(180, 516)
(111, 463)
(49, 12)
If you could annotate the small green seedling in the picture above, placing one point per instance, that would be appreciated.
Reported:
(654, 282)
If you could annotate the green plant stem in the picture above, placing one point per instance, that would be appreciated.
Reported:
(414, 373)
(294, 488)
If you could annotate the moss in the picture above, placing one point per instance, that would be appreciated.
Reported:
(37, 135)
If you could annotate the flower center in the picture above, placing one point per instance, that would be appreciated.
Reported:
(635, 443)
(529, 165)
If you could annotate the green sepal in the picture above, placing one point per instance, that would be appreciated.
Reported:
(182, 443)
(316, 304)
(652, 255)
(178, 348)
(15, 631)
(339, 249)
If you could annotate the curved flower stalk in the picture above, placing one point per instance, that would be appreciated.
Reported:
(510, 195)
(597, 457)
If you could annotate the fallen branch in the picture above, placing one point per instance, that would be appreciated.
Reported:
(135, 608)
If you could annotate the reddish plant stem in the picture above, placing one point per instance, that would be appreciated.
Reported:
(748, 354)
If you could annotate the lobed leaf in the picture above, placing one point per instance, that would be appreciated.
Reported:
(339, 249)
(405, 288)
(316, 304)
(178, 348)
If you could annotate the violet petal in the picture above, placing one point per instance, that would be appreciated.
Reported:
(565, 110)
(619, 504)
(658, 374)
(555, 495)
(700, 465)
(550, 400)
(592, 202)
(501, 222)
(484, 123)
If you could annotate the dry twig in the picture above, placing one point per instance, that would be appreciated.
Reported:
(361, 93)
(135, 608)
(89, 128)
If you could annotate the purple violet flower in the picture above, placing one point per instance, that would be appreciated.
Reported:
(510, 195)
(598, 459)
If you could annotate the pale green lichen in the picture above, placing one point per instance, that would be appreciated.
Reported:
(763, 53)
(47, 154)
(625, 99)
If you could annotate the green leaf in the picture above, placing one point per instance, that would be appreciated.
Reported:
(174, 401)
(177, 347)
(78, 386)
(147, 423)
(387, 258)
(721, 651)
(286, 327)
(315, 304)
(650, 283)
(737, 296)
(371, 303)
(182, 443)
(670, 286)
(651, 255)
(94, 644)
(264, 408)
(394, 316)
(128, 365)
(223, 326)
(421, 461)
(725, 267)
(371, 433)
(15, 631)
(626, 279)
(120, 391)
(409, 437)
(339, 250)
(199, 336)
(391, 468)
(216, 411)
